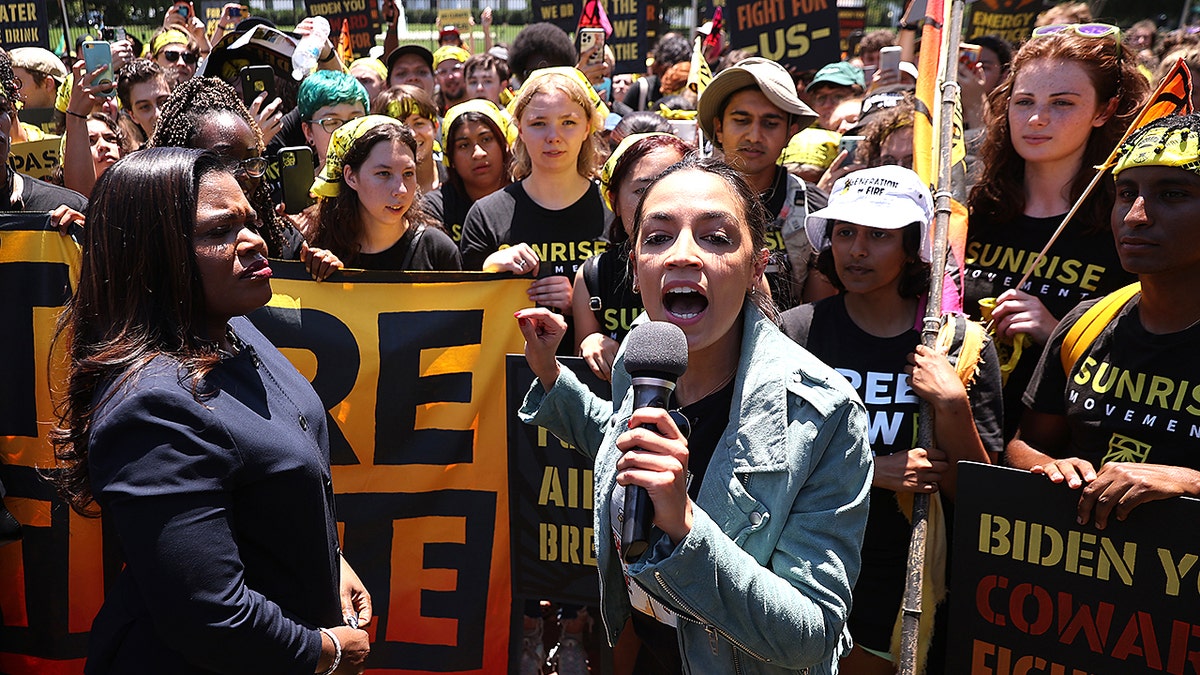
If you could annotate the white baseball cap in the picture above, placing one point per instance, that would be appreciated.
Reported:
(887, 197)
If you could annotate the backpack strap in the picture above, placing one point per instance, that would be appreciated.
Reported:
(643, 92)
(1093, 322)
(412, 248)
(591, 283)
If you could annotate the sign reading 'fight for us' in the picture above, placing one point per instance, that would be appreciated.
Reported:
(800, 33)
(1036, 592)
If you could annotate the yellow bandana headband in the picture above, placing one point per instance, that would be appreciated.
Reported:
(1161, 146)
(483, 107)
(611, 165)
(168, 37)
(448, 53)
(570, 72)
(329, 182)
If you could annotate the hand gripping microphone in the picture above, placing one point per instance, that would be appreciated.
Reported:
(656, 355)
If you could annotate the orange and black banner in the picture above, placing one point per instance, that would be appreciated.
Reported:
(411, 369)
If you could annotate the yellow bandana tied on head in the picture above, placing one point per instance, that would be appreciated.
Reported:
(448, 52)
(329, 182)
(573, 73)
(483, 107)
(1161, 146)
(168, 37)
(611, 165)
(373, 63)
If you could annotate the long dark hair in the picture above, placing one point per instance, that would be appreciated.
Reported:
(754, 213)
(501, 139)
(339, 224)
(1112, 70)
(139, 294)
(914, 277)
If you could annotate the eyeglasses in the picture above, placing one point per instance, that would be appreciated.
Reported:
(189, 58)
(1093, 30)
(254, 167)
(332, 124)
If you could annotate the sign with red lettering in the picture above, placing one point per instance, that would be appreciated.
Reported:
(1010, 19)
(799, 33)
(363, 18)
(1033, 591)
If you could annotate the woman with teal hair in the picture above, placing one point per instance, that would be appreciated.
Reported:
(327, 100)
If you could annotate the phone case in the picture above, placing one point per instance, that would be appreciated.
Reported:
(588, 37)
(256, 80)
(296, 171)
(95, 55)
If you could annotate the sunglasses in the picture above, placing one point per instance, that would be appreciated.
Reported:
(1092, 30)
(190, 58)
(254, 167)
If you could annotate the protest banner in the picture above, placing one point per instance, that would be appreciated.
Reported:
(362, 19)
(561, 13)
(1010, 19)
(852, 18)
(550, 494)
(459, 18)
(210, 13)
(24, 23)
(799, 33)
(410, 368)
(35, 158)
(634, 24)
(1033, 591)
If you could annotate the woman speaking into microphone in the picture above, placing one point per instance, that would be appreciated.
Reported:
(759, 514)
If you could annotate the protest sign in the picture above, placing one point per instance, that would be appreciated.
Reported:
(634, 24)
(1010, 19)
(800, 33)
(1033, 591)
(362, 19)
(24, 23)
(561, 13)
(550, 490)
(410, 368)
(35, 158)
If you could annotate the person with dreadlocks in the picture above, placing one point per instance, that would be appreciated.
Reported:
(206, 113)
(1083, 411)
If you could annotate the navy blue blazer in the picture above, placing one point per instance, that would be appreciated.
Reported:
(224, 511)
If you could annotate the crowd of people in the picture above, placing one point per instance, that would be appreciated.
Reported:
(797, 266)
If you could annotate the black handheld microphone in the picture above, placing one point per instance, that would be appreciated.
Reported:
(655, 356)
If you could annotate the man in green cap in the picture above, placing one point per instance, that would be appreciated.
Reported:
(1118, 385)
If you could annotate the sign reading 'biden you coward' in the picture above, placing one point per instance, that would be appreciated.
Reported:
(800, 33)
(1035, 592)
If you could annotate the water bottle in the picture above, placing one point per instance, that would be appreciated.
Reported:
(308, 50)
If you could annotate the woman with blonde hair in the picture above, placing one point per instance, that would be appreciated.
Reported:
(552, 218)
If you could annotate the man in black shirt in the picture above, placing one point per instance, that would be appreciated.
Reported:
(1121, 394)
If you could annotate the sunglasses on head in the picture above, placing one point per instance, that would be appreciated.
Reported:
(1094, 30)
(189, 58)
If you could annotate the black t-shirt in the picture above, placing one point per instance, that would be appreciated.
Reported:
(634, 94)
(709, 416)
(562, 239)
(448, 206)
(618, 304)
(38, 195)
(1132, 397)
(874, 366)
(434, 252)
(1082, 264)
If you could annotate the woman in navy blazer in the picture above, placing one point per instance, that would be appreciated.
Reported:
(205, 449)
